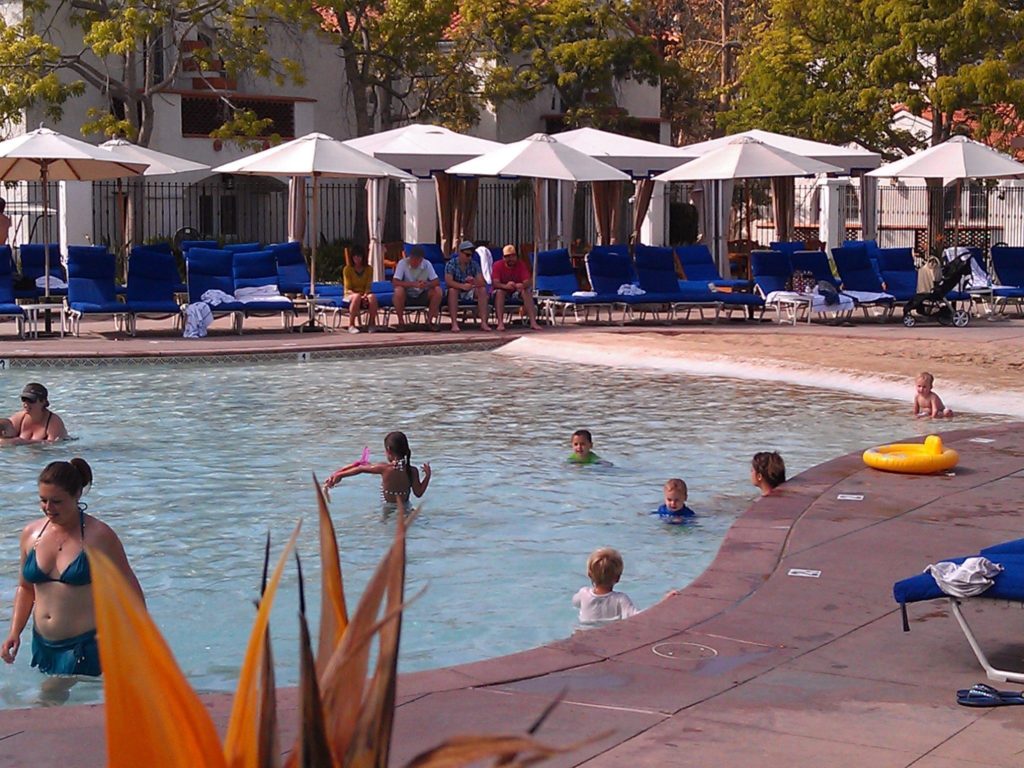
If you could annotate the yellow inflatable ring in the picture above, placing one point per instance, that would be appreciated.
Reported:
(913, 458)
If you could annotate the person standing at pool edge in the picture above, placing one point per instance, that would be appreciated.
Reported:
(54, 585)
(35, 422)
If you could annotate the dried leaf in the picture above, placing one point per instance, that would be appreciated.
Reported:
(241, 744)
(464, 750)
(333, 613)
(153, 715)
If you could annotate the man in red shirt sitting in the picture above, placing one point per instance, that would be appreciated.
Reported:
(511, 279)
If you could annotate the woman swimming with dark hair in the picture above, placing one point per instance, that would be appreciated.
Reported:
(55, 583)
(398, 478)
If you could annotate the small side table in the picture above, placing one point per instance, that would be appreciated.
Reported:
(32, 317)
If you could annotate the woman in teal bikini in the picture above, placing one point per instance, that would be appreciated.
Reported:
(55, 583)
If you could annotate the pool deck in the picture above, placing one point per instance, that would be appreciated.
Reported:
(748, 664)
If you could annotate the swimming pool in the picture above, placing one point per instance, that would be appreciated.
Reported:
(194, 463)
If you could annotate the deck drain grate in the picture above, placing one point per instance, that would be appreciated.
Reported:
(678, 650)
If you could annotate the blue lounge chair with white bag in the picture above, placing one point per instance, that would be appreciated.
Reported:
(995, 573)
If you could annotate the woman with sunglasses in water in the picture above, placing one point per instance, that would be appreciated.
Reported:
(35, 422)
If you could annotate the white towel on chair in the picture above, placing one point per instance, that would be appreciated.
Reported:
(55, 282)
(260, 293)
(972, 577)
(213, 297)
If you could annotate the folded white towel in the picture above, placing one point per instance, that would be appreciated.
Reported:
(261, 293)
(628, 289)
(584, 294)
(55, 282)
(867, 297)
(972, 577)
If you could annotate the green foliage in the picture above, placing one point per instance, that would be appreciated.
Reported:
(247, 131)
(399, 65)
(42, 63)
(581, 48)
(834, 71)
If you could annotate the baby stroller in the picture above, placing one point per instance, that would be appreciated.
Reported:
(936, 303)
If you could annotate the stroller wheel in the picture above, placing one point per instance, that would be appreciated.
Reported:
(909, 321)
(961, 318)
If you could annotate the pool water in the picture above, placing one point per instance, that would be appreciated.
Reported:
(194, 464)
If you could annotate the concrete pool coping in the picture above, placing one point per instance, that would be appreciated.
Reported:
(747, 661)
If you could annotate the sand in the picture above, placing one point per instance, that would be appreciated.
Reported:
(982, 367)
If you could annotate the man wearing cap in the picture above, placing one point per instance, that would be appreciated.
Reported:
(466, 282)
(35, 422)
(416, 285)
(512, 281)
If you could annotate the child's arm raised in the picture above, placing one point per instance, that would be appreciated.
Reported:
(419, 485)
(358, 469)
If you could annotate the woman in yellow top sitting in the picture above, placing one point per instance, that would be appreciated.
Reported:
(358, 278)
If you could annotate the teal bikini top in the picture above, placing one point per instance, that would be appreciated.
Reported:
(76, 574)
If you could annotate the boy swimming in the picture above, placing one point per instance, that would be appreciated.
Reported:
(583, 449)
(600, 602)
(674, 511)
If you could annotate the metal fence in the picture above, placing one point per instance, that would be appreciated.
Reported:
(242, 208)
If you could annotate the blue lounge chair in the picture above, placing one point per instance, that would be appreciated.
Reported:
(1007, 585)
(787, 246)
(188, 245)
(557, 287)
(899, 275)
(209, 269)
(699, 266)
(771, 271)
(243, 247)
(815, 262)
(91, 289)
(1008, 263)
(656, 273)
(9, 310)
(258, 270)
(861, 281)
(153, 282)
(609, 268)
(33, 266)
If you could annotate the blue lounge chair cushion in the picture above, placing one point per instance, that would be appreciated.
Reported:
(771, 270)
(609, 268)
(11, 309)
(1008, 585)
(815, 262)
(1008, 262)
(243, 247)
(153, 307)
(91, 281)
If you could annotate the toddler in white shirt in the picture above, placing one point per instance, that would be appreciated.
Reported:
(601, 602)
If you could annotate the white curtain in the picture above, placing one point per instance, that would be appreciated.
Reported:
(376, 209)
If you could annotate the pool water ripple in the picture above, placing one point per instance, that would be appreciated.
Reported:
(194, 464)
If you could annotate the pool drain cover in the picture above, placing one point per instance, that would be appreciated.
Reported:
(693, 651)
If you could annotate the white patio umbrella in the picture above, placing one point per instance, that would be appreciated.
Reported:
(955, 159)
(744, 158)
(539, 157)
(639, 158)
(423, 150)
(44, 155)
(159, 164)
(319, 156)
(426, 151)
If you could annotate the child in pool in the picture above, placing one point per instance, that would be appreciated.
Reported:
(583, 449)
(601, 602)
(674, 511)
(767, 471)
(398, 477)
(927, 404)
(8, 434)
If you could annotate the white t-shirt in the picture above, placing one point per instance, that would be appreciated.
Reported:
(608, 607)
(405, 271)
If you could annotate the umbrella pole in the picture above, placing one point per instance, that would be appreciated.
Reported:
(311, 324)
(44, 175)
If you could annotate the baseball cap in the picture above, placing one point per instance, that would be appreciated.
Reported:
(466, 245)
(508, 250)
(35, 391)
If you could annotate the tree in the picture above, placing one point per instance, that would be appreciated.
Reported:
(581, 49)
(129, 52)
(835, 71)
(399, 64)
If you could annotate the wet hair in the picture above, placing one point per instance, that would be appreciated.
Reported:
(770, 466)
(675, 484)
(926, 377)
(585, 434)
(604, 567)
(397, 444)
(70, 476)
